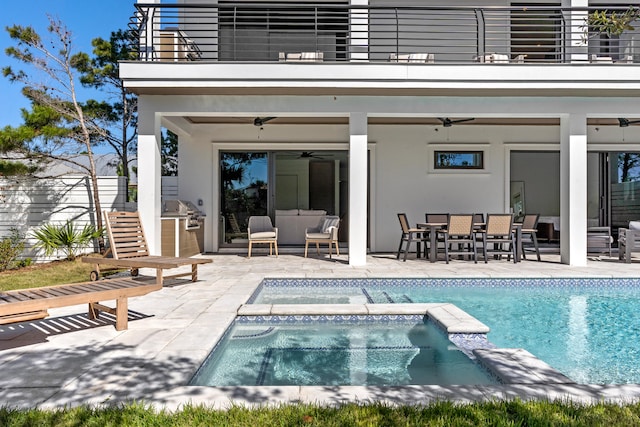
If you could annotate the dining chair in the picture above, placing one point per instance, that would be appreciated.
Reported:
(409, 235)
(437, 217)
(459, 232)
(529, 229)
(498, 231)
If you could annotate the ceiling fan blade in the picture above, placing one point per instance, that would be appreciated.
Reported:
(623, 123)
(260, 121)
(462, 120)
(447, 122)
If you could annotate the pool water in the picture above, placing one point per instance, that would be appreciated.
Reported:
(337, 350)
(588, 329)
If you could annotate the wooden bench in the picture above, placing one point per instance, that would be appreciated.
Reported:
(30, 304)
(128, 246)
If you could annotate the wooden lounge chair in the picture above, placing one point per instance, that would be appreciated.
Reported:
(129, 249)
(30, 304)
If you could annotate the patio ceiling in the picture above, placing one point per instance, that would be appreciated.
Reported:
(428, 121)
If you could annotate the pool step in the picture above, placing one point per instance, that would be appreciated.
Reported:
(518, 366)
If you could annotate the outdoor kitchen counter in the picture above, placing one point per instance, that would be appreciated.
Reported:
(178, 240)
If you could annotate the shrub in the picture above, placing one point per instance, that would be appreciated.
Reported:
(10, 248)
(66, 238)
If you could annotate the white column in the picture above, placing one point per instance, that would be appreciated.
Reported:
(358, 178)
(149, 174)
(577, 19)
(359, 32)
(573, 189)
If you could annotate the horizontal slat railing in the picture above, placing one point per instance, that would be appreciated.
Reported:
(325, 32)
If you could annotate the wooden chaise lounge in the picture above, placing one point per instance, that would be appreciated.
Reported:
(128, 246)
(30, 304)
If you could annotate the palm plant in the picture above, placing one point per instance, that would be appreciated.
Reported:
(66, 238)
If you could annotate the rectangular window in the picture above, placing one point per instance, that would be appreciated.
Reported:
(458, 160)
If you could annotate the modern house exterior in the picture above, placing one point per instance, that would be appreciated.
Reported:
(365, 109)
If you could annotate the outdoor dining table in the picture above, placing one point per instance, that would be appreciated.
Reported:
(433, 227)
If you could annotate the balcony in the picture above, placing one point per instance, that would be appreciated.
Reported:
(236, 32)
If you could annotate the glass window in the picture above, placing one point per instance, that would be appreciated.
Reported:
(459, 160)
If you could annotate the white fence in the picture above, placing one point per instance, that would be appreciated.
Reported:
(27, 204)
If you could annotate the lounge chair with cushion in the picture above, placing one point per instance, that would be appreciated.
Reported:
(261, 230)
(325, 232)
(424, 58)
(628, 241)
(599, 239)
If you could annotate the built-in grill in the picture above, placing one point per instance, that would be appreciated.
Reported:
(183, 209)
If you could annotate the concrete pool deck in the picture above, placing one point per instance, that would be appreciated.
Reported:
(67, 359)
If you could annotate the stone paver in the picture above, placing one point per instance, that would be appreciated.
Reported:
(69, 360)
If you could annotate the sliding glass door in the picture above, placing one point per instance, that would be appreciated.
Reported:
(268, 183)
(244, 192)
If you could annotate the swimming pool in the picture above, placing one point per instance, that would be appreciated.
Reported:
(588, 329)
(337, 350)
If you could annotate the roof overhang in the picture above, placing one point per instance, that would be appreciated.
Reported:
(217, 78)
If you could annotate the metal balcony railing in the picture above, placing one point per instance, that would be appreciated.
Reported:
(326, 32)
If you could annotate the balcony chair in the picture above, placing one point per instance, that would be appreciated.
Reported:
(410, 235)
(498, 58)
(499, 232)
(599, 239)
(530, 229)
(459, 232)
(325, 232)
(261, 230)
(424, 58)
(300, 56)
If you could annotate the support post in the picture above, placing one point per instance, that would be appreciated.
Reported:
(149, 174)
(358, 178)
(573, 189)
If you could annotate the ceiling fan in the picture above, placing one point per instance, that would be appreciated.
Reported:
(626, 122)
(447, 122)
(310, 155)
(260, 121)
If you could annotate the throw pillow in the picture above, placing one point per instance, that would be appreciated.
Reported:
(328, 223)
(634, 225)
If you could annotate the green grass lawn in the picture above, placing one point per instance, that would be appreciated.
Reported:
(513, 413)
(46, 274)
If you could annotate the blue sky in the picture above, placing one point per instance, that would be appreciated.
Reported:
(86, 19)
